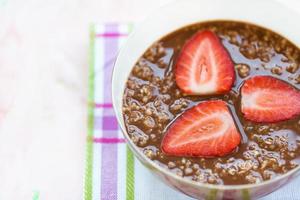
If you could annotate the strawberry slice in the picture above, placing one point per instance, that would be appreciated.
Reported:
(205, 130)
(267, 99)
(204, 66)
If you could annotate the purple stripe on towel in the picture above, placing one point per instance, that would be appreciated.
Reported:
(111, 34)
(110, 53)
(109, 169)
(109, 172)
(103, 105)
(109, 123)
(109, 140)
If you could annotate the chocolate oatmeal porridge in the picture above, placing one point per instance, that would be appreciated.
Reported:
(159, 99)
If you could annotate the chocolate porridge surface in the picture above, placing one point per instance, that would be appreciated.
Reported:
(152, 101)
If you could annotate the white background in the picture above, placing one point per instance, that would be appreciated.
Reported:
(43, 90)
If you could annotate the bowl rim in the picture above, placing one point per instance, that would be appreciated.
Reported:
(165, 171)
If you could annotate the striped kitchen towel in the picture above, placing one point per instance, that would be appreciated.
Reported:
(112, 172)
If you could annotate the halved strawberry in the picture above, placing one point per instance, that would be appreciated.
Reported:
(267, 99)
(204, 66)
(205, 130)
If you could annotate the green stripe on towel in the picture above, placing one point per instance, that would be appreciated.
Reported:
(246, 195)
(88, 195)
(129, 175)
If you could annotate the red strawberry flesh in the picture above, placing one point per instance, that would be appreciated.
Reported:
(267, 99)
(205, 130)
(204, 66)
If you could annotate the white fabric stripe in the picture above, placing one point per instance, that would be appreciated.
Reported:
(98, 97)
(99, 59)
(99, 28)
(148, 187)
(96, 171)
(122, 153)
(123, 29)
(98, 111)
(99, 62)
(98, 133)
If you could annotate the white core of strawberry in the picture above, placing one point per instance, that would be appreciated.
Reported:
(249, 101)
(203, 86)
